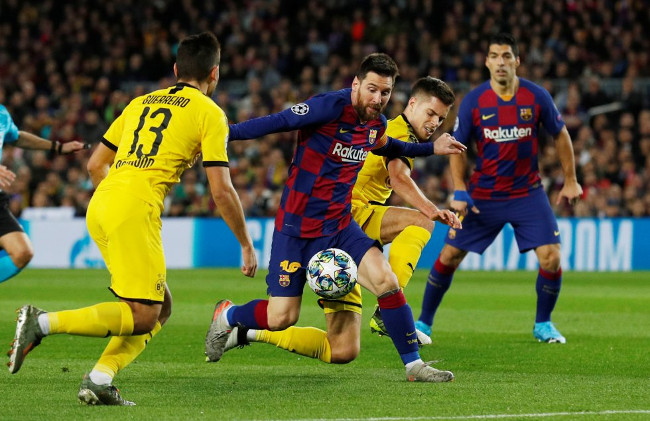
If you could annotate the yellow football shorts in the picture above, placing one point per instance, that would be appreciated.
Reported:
(369, 219)
(127, 231)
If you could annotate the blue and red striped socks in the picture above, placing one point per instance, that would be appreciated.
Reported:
(438, 283)
(252, 315)
(548, 289)
(398, 320)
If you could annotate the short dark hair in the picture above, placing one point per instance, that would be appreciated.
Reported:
(379, 63)
(435, 87)
(197, 55)
(504, 38)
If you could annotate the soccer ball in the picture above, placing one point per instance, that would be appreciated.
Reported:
(331, 273)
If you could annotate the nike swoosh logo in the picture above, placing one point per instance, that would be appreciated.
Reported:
(343, 131)
(487, 117)
(556, 233)
(411, 266)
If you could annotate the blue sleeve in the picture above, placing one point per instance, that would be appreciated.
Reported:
(317, 110)
(550, 116)
(8, 126)
(463, 126)
(395, 148)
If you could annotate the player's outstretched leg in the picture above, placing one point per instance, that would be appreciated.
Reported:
(28, 336)
(95, 394)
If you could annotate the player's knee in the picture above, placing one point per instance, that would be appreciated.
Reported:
(346, 354)
(451, 256)
(22, 256)
(549, 257)
(387, 282)
(144, 317)
(423, 222)
(550, 262)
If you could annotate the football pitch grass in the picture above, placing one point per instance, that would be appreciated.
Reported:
(483, 333)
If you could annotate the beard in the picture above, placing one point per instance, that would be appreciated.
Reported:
(364, 114)
(362, 110)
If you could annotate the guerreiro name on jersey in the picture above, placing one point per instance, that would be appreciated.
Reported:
(160, 135)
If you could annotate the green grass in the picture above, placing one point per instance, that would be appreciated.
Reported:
(482, 333)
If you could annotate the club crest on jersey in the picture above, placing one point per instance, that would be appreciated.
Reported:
(526, 113)
(300, 109)
(284, 280)
(372, 137)
(451, 233)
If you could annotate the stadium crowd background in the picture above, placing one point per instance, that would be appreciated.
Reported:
(67, 70)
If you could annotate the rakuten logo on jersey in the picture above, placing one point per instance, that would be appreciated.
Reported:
(506, 135)
(348, 153)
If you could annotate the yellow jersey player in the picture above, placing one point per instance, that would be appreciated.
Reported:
(408, 229)
(143, 153)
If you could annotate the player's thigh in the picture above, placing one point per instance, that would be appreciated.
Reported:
(289, 258)
(533, 221)
(375, 273)
(396, 219)
(94, 215)
(479, 229)
(134, 248)
(369, 218)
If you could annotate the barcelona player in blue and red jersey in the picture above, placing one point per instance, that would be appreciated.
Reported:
(337, 131)
(504, 115)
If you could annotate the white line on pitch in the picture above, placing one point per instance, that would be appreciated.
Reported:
(486, 416)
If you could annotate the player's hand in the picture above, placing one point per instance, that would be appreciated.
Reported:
(74, 146)
(250, 261)
(572, 191)
(6, 177)
(446, 144)
(447, 217)
(462, 201)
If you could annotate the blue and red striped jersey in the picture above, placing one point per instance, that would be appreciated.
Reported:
(506, 133)
(332, 147)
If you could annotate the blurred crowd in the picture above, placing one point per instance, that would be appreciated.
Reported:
(68, 69)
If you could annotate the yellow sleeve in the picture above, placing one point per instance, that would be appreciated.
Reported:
(214, 138)
(113, 135)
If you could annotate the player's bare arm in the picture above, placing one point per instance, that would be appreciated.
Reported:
(227, 201)
(99, 163)
(407, 189)
(571, 188)
(31, 141)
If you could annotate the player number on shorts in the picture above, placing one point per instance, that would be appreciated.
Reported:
(158, 130)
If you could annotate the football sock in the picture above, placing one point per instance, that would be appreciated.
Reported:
(100, 378)
(251, 315)
(548, 289)
(405, 251)
(438, 283)
(100, 320)
(121, 351)
(307, 341)
(7, 267)
(398, 320)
